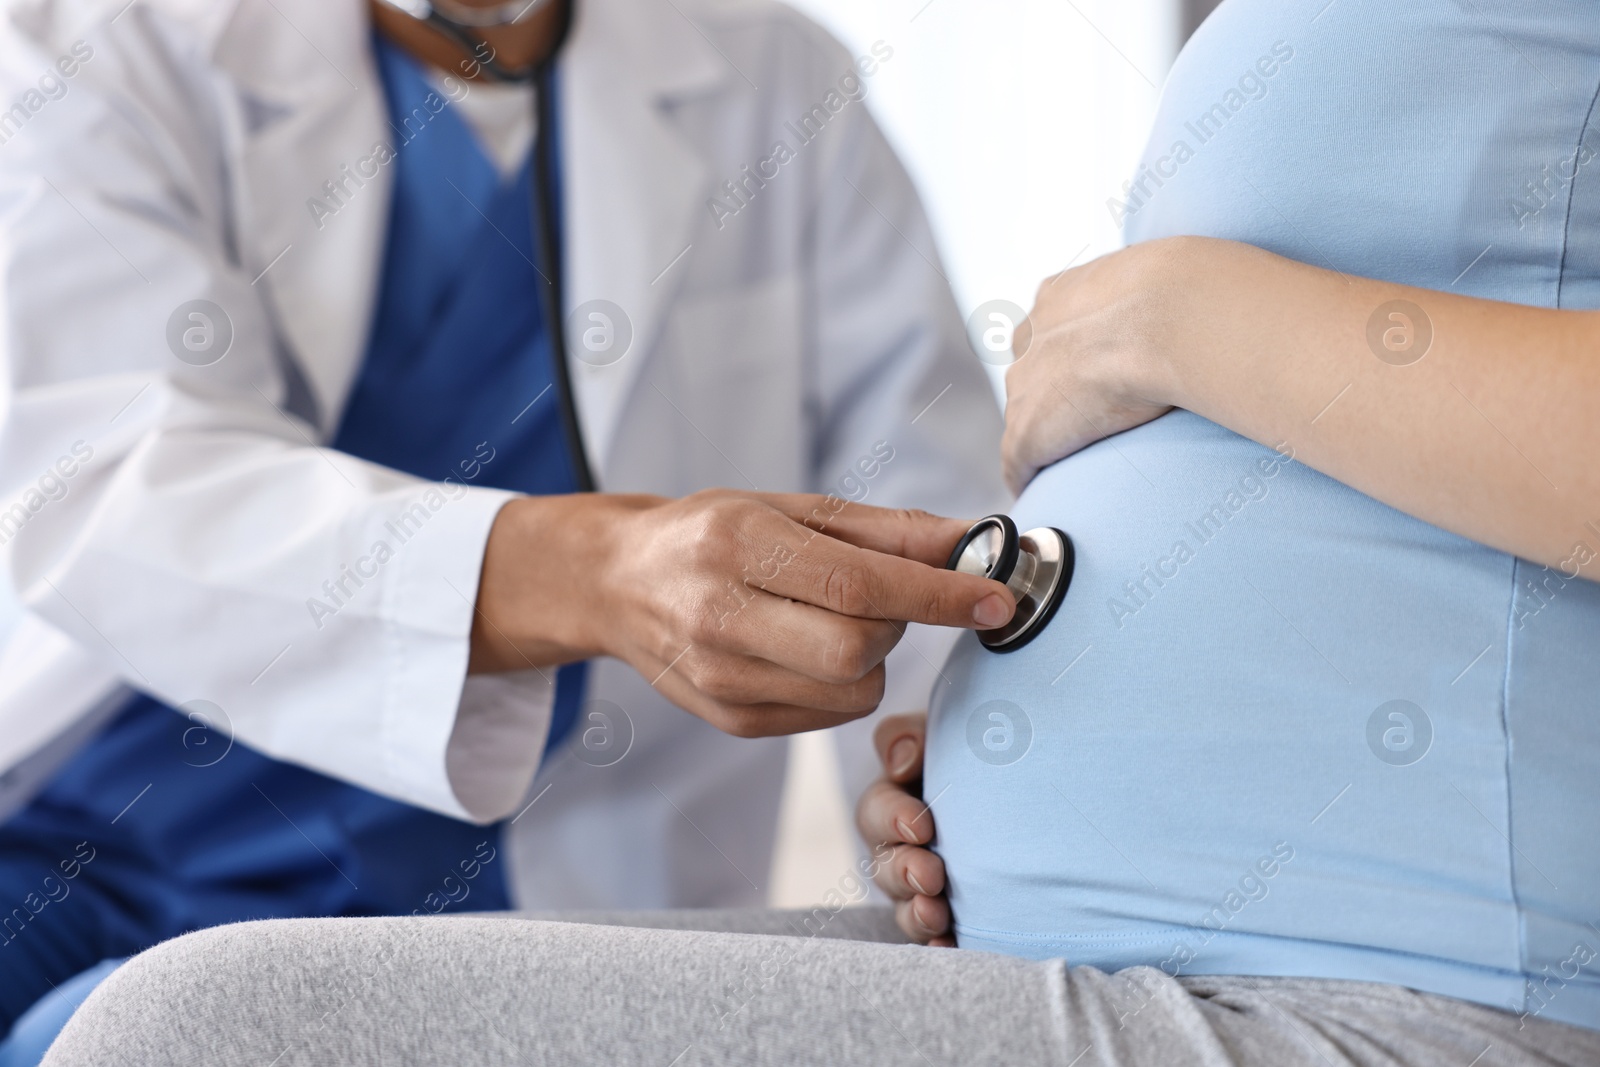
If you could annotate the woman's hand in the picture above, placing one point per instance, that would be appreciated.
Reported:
(890, 816)
(761, 613)
(1099, 346)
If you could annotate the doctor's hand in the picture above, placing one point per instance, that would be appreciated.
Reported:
(760, 613)
(897, 826)
(1102, 346)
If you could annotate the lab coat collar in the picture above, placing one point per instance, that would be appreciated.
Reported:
(632, 180)
(308, 108)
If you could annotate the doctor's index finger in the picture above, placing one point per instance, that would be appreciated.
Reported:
(868, 584)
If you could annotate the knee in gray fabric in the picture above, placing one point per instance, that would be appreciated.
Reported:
(178, 985)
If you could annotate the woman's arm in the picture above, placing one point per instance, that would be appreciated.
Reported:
(1490, 427)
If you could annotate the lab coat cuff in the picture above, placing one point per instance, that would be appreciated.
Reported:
(464, 746)
(499, 738)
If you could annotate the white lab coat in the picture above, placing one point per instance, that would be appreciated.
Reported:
(772, 348)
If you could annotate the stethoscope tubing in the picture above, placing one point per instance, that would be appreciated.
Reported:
(547, 250)
(546, 219)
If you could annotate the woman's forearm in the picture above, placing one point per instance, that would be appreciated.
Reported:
(1491, 429)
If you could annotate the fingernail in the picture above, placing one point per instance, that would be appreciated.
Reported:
(905, 831)
(902, 754)
(916, 884)
(992, 610)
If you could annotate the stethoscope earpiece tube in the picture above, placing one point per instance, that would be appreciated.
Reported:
(547, 247)
(1036, 566)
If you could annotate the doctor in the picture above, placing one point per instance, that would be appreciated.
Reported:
(285, 448)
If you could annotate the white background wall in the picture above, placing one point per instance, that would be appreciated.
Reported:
(1017, 120)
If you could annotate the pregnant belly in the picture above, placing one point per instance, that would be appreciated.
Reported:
(1268, 714)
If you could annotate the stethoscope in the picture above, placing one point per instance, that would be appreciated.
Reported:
(1036, 566)
(459, 22)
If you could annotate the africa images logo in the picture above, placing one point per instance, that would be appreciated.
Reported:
(999, 732)
(1399, 733)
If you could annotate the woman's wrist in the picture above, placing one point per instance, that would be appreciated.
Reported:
(1186, 359)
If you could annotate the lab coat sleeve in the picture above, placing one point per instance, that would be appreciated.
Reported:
(907, 417)
(183, 521)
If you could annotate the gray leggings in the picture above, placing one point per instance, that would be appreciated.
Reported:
(657, 990)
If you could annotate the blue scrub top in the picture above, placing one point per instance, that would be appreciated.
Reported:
(1278, 728)
(457, 356)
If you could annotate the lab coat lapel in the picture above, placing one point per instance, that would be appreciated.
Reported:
(305, 113)
(632, 181)
(632, 184)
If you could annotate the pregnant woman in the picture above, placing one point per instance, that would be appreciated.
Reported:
(1304, 771)
(1324, 697)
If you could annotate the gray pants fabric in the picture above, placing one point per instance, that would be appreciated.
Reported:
(678, 989)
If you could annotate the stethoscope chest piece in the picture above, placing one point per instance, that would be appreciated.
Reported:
(1036, 566)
